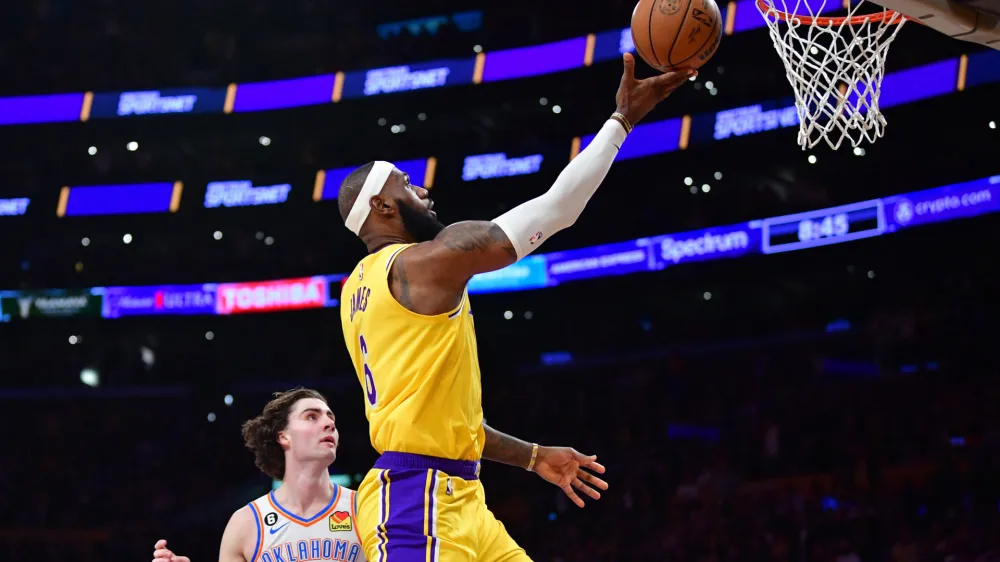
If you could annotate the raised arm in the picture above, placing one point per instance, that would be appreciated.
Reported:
(467, 248)
(562, 466)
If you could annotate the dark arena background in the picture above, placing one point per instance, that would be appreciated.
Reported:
(779, 354)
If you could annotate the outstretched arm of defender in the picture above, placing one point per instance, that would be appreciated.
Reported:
(467, 248)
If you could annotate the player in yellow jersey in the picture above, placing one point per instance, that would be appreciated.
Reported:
(409, 330)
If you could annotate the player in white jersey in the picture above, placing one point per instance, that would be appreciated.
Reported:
(308, 517)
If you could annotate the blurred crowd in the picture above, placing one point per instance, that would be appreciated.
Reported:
(739, 456)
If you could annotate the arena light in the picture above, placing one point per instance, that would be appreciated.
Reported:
(148, 357)
(543, 101)
(508, 314)
(422, 116)
(73, 340)
(993, 124)
(812, 158)
(127, 238)
(705, 188)
(209, 335)
(211, 417)
(264, 141)
(217, 235)
(269, 240)
(718, 175)
(90, 377)
(228, 400)
(556, 109)
(92, 150)
(85, 241)
(707, 296)
(688, 180)
(132, 146)
(694, 190)
(477, 49)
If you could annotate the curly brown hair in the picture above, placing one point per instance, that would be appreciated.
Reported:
(260, 434)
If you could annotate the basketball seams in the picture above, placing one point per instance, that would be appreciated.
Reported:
(677, 36)
(700, 50)
(652, 47)
(637, 49)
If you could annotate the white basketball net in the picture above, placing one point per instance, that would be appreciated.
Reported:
(836, 69)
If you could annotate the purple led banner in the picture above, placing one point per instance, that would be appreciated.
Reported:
(646, 139)
(158, 299)
(120, 199)
(404, 78)
(333, 178)
(279, 94)
(747, 16)
(14, 207)
(613, 44)
(532, 61)
(652, 254)
(922, 82)
(598, 261)
(40, 109)
(983, 68)
(959, 200)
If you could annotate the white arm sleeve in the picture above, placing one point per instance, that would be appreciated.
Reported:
(531, 222)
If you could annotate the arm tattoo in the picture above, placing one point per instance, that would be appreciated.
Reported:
(501, 447)
(398, 281)
(477, 237)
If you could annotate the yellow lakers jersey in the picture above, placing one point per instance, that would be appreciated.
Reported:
(420, 374)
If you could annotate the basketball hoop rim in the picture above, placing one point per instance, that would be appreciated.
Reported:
(879, 17)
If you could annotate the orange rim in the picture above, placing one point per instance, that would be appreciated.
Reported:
(878, 17)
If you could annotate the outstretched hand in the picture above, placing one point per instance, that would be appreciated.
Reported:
(636, 98)
(564, 467)
(162, 554)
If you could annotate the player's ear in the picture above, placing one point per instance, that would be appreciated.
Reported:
(383, 205)
(283, 439)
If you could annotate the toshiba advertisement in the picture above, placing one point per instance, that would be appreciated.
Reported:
(271, 296)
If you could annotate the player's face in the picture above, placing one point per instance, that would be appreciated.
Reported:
(415, 208)
(312, 431)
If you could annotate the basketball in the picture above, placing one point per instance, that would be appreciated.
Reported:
(675, 34)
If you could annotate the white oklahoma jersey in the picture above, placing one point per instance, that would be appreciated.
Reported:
(331, 534)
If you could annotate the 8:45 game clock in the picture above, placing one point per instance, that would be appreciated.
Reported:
(823, 227)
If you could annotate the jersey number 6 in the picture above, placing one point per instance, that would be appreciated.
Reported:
(369, 379)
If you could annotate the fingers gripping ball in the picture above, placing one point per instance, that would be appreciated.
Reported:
(675, 34)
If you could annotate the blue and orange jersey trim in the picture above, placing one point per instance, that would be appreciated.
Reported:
(260, 531)
(312, 520)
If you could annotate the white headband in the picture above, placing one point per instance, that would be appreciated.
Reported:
(373, 186)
